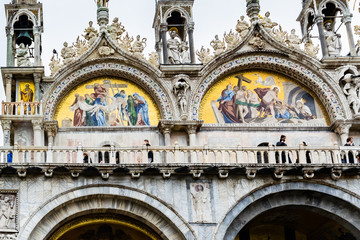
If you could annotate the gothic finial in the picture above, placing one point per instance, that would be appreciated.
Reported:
(253, 9)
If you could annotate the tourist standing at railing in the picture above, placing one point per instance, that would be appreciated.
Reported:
(350, 143)
(307, 154)
(282, 143)
(150, 153)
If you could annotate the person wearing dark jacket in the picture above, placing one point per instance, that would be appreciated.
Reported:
(281, 143)
(150, 153)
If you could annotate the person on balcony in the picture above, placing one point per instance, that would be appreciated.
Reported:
(282, 143)
(150, 153)
(349, 143)
(9, 157)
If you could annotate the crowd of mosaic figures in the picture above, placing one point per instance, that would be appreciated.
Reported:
(101, 109)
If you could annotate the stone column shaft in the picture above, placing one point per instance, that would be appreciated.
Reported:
(6, 126)
(164, 44)
(319, 21)
(37, 128)
(191, 130)
(191, 43)
(347, 22)
(37, 43)
(10, 53)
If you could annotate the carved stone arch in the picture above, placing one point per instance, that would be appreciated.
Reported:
(341, 71)
(183, 13)
(309, 12)
(329, 94)
(114, 69)
(26, 12)
(322, 199)
(136, 204)
(338, 5)
(111, 143)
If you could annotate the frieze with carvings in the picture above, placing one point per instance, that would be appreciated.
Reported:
(320, 88)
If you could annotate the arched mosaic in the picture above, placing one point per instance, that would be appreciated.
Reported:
(260, 97)
(327, 95)
(107, 102)
(142, 79)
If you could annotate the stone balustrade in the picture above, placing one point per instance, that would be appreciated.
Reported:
(21, 108)
(183, 155)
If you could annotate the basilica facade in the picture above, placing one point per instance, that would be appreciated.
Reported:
(185, 143)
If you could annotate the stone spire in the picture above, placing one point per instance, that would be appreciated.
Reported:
(253, 9)
(102, 14)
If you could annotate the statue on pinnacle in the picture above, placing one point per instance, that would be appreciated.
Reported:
(102, 3)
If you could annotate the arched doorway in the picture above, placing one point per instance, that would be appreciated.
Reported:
(294, 223)
(104, 227)
(293, 211)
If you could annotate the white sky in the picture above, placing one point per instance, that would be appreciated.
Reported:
(64, 20)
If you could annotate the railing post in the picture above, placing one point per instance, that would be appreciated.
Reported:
(336, 154)
(112, 155)
(15, 154)
(49, 154)
(271, 154)
(79, 154)
(40, 108)
(144, 153)
(177, 153)
(21, 108)
(206, 153)
(302, 154)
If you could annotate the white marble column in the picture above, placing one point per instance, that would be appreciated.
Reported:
(191, 130)
(191, 42)
(6, 126)
(343, 131)
(320, 24)
(167, 133)
(37, 79)
(37, 46)
(164, 43)
(10, 51)
(37, 128)
(347, 21)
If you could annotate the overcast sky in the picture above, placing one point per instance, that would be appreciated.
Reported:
(64, 20)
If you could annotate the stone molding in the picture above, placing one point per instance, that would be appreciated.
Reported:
(328, 94)
(116, 199)
(239, 215)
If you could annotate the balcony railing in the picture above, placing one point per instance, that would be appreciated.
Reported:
(21, 108)
(182, 155)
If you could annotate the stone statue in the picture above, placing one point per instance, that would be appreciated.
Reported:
(125, 42)
(293, 40)
(242, 27)
(22, 56)
(54, 65)
(154, 59)
(204, 55)
(102, 3)
(180, 89)
(116, 29)
(257, 42)
(184, 52)
(7, 212)
(90, 33)
(279, 34)
(352, 91)
(138, 47)
(357, 32)
(332, 39)
(67, 53)
(311, 49)
(173, 48)
(232, 39)
(267, 23)
(80, 46)
(218, 45)
(200, 196)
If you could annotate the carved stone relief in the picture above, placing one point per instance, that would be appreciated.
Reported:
(8, 212)
(200, 202)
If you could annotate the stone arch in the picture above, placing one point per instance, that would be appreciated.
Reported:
(328, 93)
(26, 12)
(183, 13)
(106, 198)
(338, 4)
(319, 197)
(113, 69)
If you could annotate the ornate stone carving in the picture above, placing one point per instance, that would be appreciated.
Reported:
(184, 52)
(8, 78)
(267, 23)
(279, 34)
(357, 32)
(154, 59)
(218, 45)
(102, 3)
(204, 55)
(201, 205)
(51, 127)
(242, 27)
(180, 89)
(232, 39)
(54, 65)
(67, 53)
(125, 42)
(8, 212)
(138, 47)
(90, 33)
(80, 46)
(332, 39)
(352, 91)
(116, 29)
(8, 236)
(105, 50)
(343, 129)
(6, 124)
(37, 124)
(311, 49)
(293, 40)
(22, 56)
(257, 42)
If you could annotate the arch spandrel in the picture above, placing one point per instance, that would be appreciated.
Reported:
(112, 69)
(329, 94)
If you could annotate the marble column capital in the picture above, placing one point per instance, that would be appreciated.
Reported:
(37, 77)
(9, 31)
(6, 124)
(343, 129)
(8, 78)
(163, 27)
(51, 127)
(37, 124)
